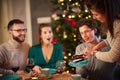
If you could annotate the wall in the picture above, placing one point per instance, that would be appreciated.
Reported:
(39, 8)
(13, 9)
(5, 16)
(27, 10)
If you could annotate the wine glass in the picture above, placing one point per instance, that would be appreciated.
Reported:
(15, 65)
(30, 63)
(60, 66)
(15, 68)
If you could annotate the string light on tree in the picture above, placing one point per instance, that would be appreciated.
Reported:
(63, 15)
(69, 54)
(75, 39)
(73, 16)
(68, 12)
(74, 36)
(65, 57)
(62, 4)
(69, 16)
(89, 16)
(64, 35)
(67, 71)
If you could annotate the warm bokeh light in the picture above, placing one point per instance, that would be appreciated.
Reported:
(75, 40)
(69, 54)
(62, 4)
(65, 57)
(67, 71)
(63, 15)
(69, 11)
(74, 35)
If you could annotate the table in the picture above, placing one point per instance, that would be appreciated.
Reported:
(56, 76)
(64, 75)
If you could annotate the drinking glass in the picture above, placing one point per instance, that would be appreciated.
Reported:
(15, 65)
(30, 63)
(60, 66)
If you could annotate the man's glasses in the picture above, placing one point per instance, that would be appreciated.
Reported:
(19, 30)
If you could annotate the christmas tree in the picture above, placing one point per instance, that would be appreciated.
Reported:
(65, 14)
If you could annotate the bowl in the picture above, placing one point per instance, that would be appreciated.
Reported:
(52, 70)
(11, 77)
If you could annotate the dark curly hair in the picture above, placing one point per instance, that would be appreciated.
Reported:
(89, 22)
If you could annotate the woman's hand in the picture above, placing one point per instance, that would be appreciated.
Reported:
(35, 71)
(100, 46)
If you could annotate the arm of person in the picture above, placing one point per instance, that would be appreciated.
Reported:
(77, 51)
(113, 54)
(30, 55)
(80, 48)
(100, 45)
(2, 63)
(5, 71)
(36, 70)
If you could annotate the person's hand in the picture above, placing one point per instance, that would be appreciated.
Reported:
(20, 72)
(37, 69)
(88, 51)
(99, 46)
(33, 73)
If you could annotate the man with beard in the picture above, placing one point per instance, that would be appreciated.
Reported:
(14, 52)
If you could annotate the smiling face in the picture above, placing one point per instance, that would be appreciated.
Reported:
(87, 34)
(18, 32)
(46, 35)
(98, 16)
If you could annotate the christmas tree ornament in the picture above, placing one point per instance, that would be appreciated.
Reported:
(64, 35)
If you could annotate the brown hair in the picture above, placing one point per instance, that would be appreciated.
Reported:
(89, 22)
(109, 8)
(42, 25)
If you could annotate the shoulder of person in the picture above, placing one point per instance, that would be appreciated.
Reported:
(3, 45)
(117, 24)
(36, 46)
(57, 44)
(4, 48)
(25, 44)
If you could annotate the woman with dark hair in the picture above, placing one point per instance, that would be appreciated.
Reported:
(45, 54)
(108, 13)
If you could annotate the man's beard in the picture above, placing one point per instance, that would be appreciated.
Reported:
(17, 39)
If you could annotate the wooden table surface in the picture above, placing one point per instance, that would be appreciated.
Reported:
(63, 76)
